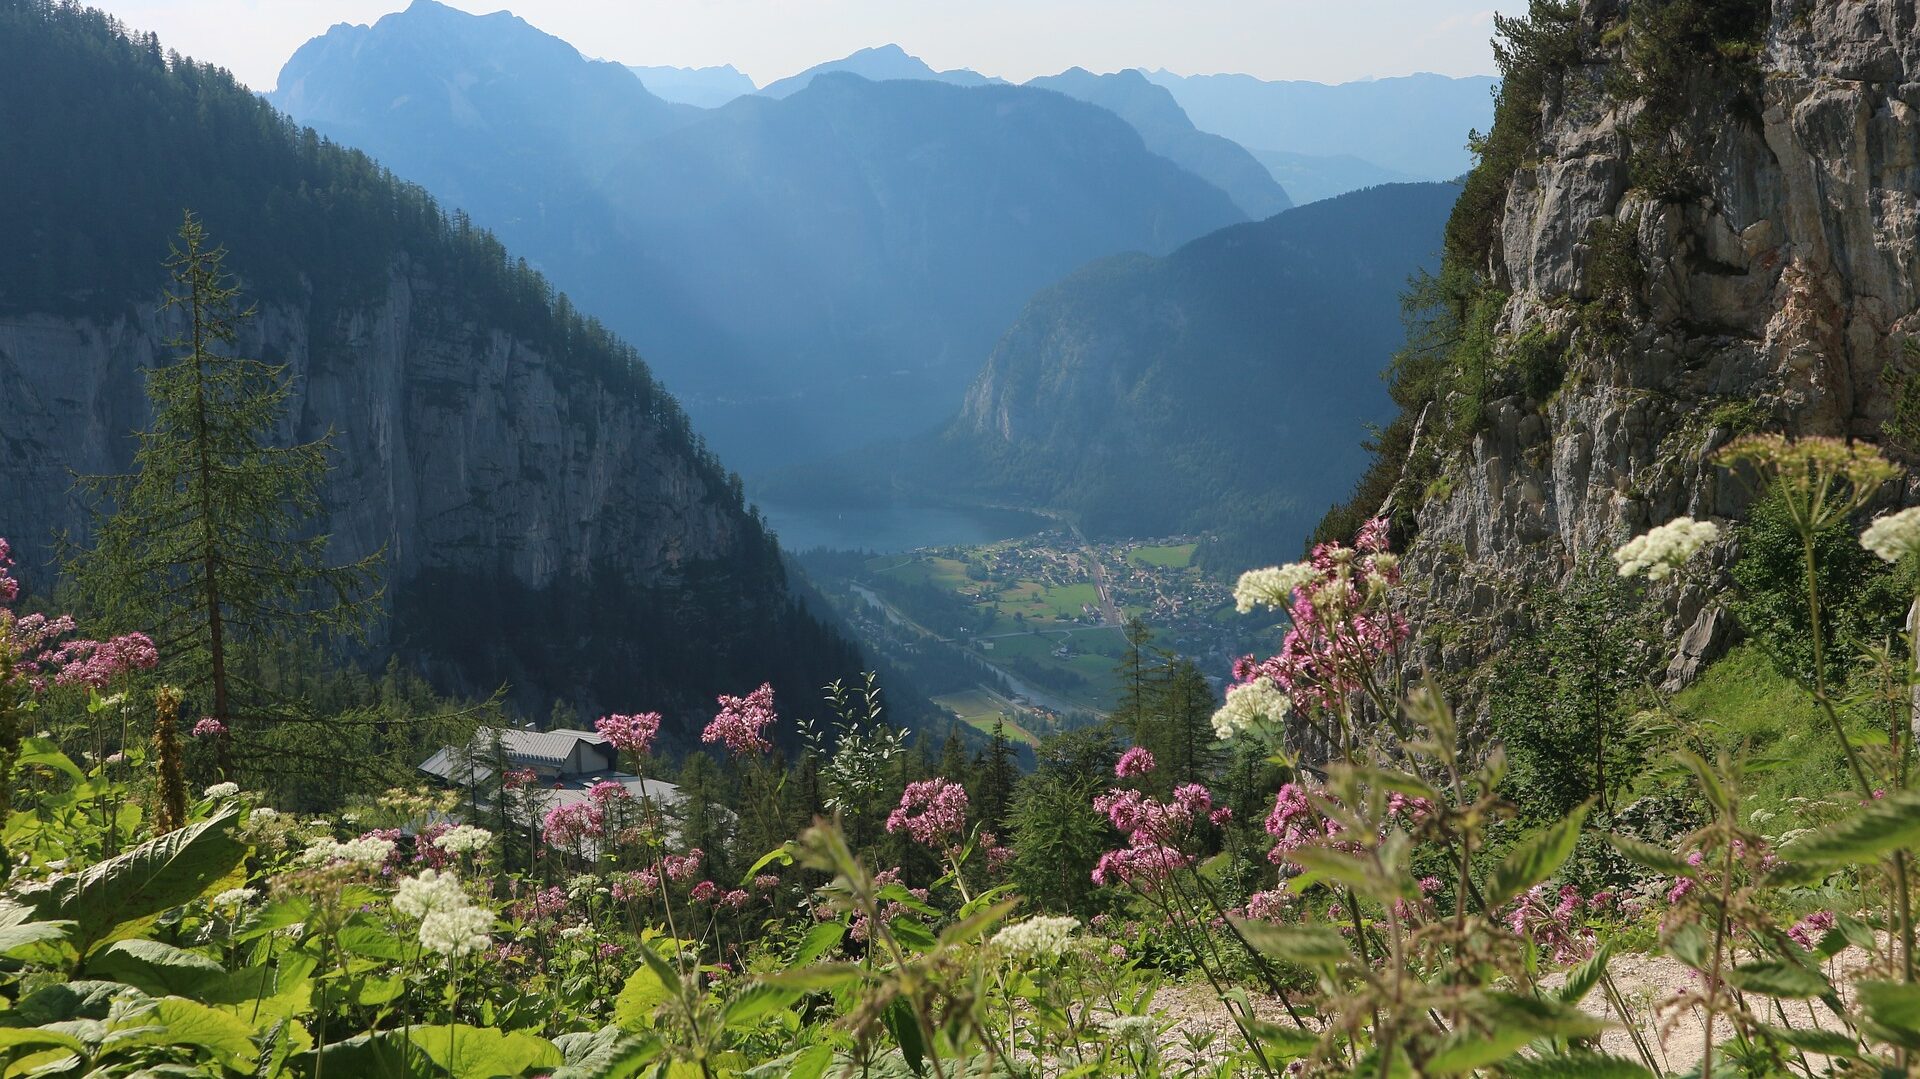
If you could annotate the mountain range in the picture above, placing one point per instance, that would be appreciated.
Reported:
(547, 513)
(808, 272)
(707, 87)
(879, 64)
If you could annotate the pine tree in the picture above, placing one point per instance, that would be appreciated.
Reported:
(996, 777)
(1138, 672)
(1186, 750)
(953, 759)
(204, 544)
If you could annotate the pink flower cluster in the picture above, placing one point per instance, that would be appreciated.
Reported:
(517, 778)
(741, 722)
(932, 811)
(541, 904)
(1336, 632)
(703, 891)
(1294, 823)
(629, 734)
(208, 727)
(1271, 906)
(606, 792)
(681, 868)
(1154, 830)
(98, 663)
(566, 825)
(1551, 921)
(1807, 931)
(637, 884)
(765, 882)
(1134, 762)
(9, 588)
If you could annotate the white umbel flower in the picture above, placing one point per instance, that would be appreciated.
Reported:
(1047, 936)
(1662, 550)
(463, 839)
(367, 850)
(234, 898)
(1893, 536)
(1248, 705)
(417, 897)
(222, 790)
(1271, 587)
(457, 932)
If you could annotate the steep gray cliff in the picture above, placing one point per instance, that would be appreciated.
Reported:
(1772, 287)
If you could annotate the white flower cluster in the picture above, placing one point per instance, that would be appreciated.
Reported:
(1893, 536)
(1045, 936)
(1662, 550)
(367, 850)
(235, 897)
(262, 815)
(222, 790)
(1142, 1031)
(1248, 705)
(1272, 587)
(463, 839)
(451, 923)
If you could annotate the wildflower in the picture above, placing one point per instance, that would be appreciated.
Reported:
(235, 897)
(1893, 536)
(1272, 587)
(932, 811)
(606, 791)
(416, 897)
(568, 824)
(463, 839)
(1808, 931)
(734, 899)
(516, 778)
(222, 790)
(456, 932)
(98, 663)
(1250, 704)
(631, 734)
(638, 884)
(741, 721)
(1145, 865)
(684, 867)
(765, 882)
(1269, 906)
(1221, 817)
(1044, 937)
(1661, 551)
(1134, 762)
(703, 891)
(367, 850)
(208, 727)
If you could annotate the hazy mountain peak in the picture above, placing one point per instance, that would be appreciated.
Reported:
(707, 87)
(878, 63)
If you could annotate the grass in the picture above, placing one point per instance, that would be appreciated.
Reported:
(981, 710)
(1175, 557)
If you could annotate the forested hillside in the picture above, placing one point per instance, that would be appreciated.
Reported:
(545, 512)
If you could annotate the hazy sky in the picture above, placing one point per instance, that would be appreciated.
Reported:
(1321, 40)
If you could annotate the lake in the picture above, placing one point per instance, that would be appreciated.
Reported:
(895, 527)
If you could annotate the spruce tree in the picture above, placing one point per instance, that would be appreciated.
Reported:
(996, 777)
(206, 544)
(1186, 748)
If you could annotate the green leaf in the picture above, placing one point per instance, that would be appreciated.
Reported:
(812, 1062)
(189, 1022)
(1582, 978)
(759, 1001)
(818, 976)
(1879, 828)
(15, 1037)
(481, 1053)
(1534, 859)
(607, 1053)
(44, 753)
(642, 996)
(782, 854)
(1710, 785)
(1827, 1043)
(909, 931)
(22, 937)
(819, 940)
(900, 1021)
(1776, 978)
(1575, 1065)
(156, 968)
(121, 896)
(1339, 866)
(1691, 945)
(1894, 1008)
(1309, 944)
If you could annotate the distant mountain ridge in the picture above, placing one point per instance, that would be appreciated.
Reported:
(1167, 131)
(706, 87)
(1226, 387)
(878, 64)
(807, 272)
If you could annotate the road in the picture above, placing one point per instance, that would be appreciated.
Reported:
(1109, 611)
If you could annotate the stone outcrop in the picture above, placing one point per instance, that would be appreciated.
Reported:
(1779, 296)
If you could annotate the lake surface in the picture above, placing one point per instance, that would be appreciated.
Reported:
(895, 527)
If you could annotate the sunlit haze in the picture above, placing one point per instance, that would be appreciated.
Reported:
(1013, 39)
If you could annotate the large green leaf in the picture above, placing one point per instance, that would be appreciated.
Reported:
(1509, 1022)
(1307, 944)
(1893, 1009)
(1827, 1043)
(642, 996)
(1578, 1065)
(1582, 978)
(482, 1053)
(120, 897)
(156, 968)
(1779, 979)
(607, 1053)
(1881, 827)
(820, 940)
(1534, 859)
(759, 1001)
(187, 1022)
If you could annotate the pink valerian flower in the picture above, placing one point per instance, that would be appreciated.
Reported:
(636, 884)
(517, 778)
(703, 891)
(932, 811)
(1550, 921)
(1338, 626)
(426, 852)
(1194, 800)
(997, 856)
(610, 950)
(9, 588)
(1221, 817)
(541, 904)
(1270, 906)
(1416, 810)
(607, 791)
(98, 663)
(734, 899)
(765, 882)
(208, 727)
(566, 825)
(741, 721)
(630, 734)
(1145, 866)
(1431, 886)
(1134, 762)
(681, 868)
(1808, 931)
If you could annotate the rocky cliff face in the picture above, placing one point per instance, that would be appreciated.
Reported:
(1776, 294)
(457, 447)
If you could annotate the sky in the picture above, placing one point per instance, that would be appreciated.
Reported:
(1317, 40)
